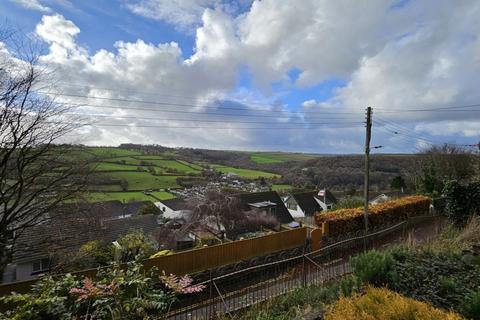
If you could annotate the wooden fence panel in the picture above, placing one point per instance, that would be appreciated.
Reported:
(223, 254)
(202, 259)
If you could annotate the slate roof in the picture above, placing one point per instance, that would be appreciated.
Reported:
(74, 225)
(175, 204)
(307, 202)
(281, 211)
(331, 199)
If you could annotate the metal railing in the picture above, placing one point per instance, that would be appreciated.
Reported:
(231, 292)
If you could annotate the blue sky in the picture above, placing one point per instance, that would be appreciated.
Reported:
(103, 22)
(311, 67)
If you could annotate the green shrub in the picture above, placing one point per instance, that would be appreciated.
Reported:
(349, 203)
(441, 279)
(136, 245)
(373, 267)
(149, 208)
(125, 292)
(470, 308)
(462, 201)
(349, 285)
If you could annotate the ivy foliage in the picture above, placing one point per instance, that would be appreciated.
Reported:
(462, 201)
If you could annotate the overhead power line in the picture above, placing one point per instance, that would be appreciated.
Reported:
(216, 128)
(165, 103)
(211, 120)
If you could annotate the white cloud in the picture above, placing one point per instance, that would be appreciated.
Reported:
(184, 14)
(32, 5)
(451, 128)
(424, 54)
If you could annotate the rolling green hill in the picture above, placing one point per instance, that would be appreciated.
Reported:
(124, 174)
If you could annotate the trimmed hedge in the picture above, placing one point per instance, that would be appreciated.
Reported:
(343, 221)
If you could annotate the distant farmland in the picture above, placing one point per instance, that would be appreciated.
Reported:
(277, 157)
(245, 173)
(125, 174)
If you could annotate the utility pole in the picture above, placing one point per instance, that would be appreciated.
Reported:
(367, 167)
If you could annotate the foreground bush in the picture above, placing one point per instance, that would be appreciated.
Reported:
(373, 267)
(344, 221)
(382, 304)
(116, 293)
(442, 279)
(301, 302)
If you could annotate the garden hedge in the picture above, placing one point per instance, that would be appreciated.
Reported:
(344, 221)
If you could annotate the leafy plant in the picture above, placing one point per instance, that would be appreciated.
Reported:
(149, 208)
(117, 292)
(136, 245)
(471, 306)
(373, 267)
(462, 201)
(441, 279)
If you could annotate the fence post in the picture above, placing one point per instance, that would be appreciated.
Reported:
(325, 229)
(304, 272)
(210, 297)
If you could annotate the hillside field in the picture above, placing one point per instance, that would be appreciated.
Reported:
(277, 157)
(129, 196)
(245, 173)
(124, 174)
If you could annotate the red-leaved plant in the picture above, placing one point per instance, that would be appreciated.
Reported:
(91, 291)
(181, 285)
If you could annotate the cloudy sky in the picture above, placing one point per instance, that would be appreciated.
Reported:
(263, 75)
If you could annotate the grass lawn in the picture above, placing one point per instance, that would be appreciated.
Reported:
(279, 187)
(128, 160)
(121, 196)
(163, 195)
(245, 173)
(277, 157)
(144, 180)
(190, 164)
(147, 157)
(172, 164)
(106, 187)
(110, 152)
(128, 196)
(107, 166)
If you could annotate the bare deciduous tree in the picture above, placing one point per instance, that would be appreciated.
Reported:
(229, 217)
(438, 164)
(37, 174)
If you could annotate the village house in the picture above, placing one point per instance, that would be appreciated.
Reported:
(379, 199)
(304, 205)
(173, 208)
(68, 229)
(269, 202)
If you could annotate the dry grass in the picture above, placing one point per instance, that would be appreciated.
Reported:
(454, 240)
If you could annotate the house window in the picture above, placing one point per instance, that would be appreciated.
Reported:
(41, 265)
